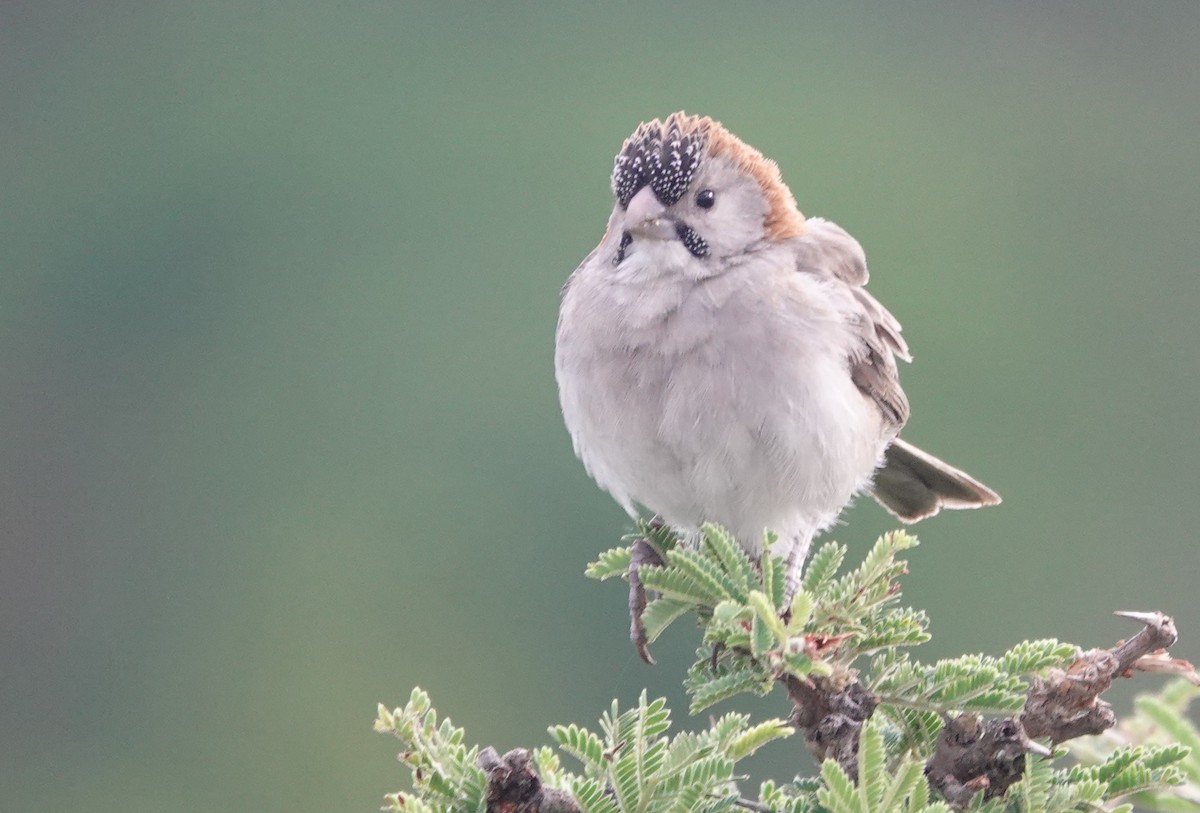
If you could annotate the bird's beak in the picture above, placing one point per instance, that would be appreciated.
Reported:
(647, 217)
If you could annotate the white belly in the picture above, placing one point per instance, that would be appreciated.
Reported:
(731, 404)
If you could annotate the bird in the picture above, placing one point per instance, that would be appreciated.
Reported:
(719, 358)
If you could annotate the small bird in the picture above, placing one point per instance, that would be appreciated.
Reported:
(720, 360)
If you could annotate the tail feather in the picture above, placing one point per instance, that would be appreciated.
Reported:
(913, 484)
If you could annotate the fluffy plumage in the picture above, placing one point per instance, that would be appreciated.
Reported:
(719, 358)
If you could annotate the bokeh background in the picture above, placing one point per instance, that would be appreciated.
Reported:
(279, 436)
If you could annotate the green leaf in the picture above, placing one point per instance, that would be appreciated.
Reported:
(676, 584)
(971, 682)
(918, 728)
(1132, 778)
(1178, 694)
(731, 612)
(819, 573)
(549, 767)
(853, 601)
(1033, 790)
(881, 560)
(714, 690)
(654, 718)
(703, 786)
(761, 639)
(796, 662)
(687, 797)
(625, 781)
(613, 562)
(799, 614)
(1176, 726)
(1156, 756)
(593, 797)
(756, 737)
(1117, 761)
(1034, 656)
(660, 537)
(903, 784)
(581, 744)
(774, 574)
(1162, 802)
(872, 770)
(1075, 795)
(732, 558)
(892, 628)
(725, 728)
(918, 796)
(444, 773)
(839, 794)
(660, 614)
(684, 749)
(707, 572)
(764, 610)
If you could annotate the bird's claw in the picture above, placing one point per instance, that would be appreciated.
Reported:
(643, 554)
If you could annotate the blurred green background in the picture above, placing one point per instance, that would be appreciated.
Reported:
(278, 282)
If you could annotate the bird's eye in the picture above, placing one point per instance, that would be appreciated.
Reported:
(706, 198)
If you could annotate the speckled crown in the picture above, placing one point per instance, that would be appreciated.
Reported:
(666, 154)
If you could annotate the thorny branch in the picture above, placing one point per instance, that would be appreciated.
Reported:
(831, 715)
(1066, 703)
(971, 755)
(513, 785)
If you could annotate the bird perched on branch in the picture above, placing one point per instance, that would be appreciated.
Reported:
(719, 358)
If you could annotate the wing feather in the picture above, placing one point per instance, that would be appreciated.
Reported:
(828, 250)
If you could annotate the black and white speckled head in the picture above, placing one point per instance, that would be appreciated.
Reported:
(717, 193)
(661, 155)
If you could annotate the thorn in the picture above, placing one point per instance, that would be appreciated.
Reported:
(1145, 618)
(1034, 747)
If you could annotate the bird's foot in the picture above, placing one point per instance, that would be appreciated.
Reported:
(644, 553)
